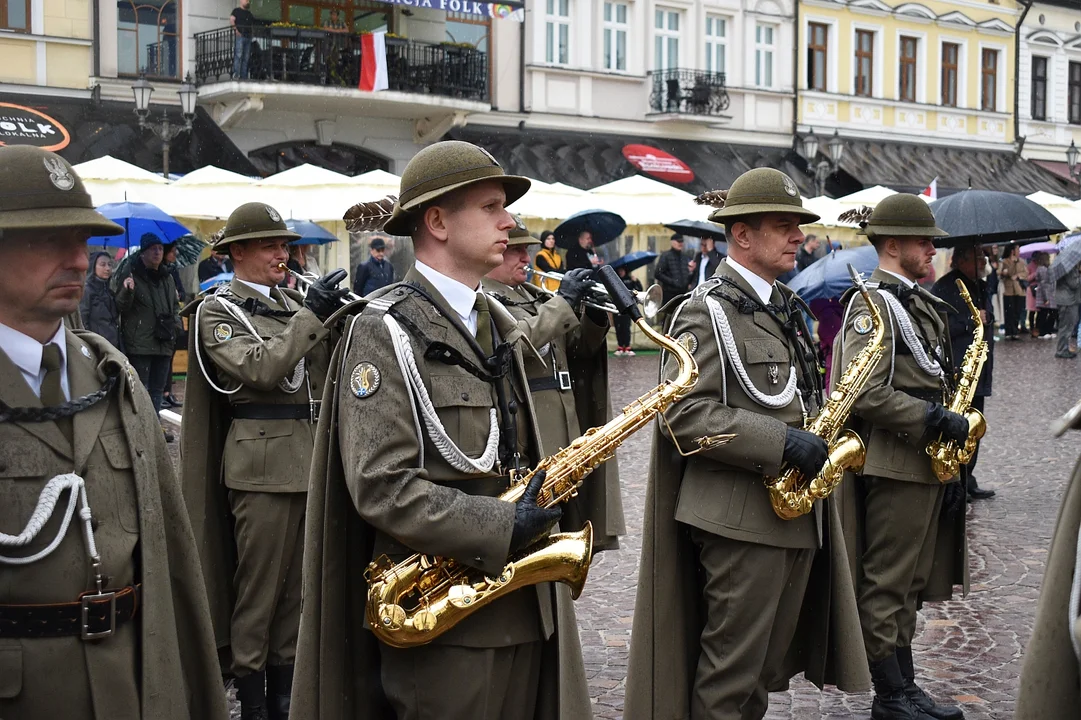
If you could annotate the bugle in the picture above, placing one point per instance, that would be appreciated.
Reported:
(597, 297)
(308, 278)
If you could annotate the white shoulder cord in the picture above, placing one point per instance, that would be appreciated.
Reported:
(1074, 621)
(403, 350)
(47, 500)
(727, 345)
(904, 324)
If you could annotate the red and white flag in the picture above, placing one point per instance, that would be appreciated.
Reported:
(932, 190)
(373, 62)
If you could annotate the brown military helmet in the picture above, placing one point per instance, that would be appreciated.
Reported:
(902, 215)
(39, 190)
(519, 234)
(441, 168)
(762, 190)
(253, 221)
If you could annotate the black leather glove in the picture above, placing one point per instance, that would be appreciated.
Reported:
(953, 501)
(324, 296)
(574, 286)
(950, 424)
(805, 450)
(531, 523)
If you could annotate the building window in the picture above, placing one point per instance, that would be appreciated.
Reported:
(146, 38)
(950, 54)
(15, 15)
(989, 80)
(1039, 88)
(865, 62)
(1075, 93)
(716, 43)
(666, 39)
(817, 54)
(615, 36)
(763, 55)
(908, 69)
(558, 32)
(468, 29)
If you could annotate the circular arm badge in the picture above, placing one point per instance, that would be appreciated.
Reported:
(863, 324)
(365, 379)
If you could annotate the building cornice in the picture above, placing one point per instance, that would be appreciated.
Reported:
(29, 37)
(579, 72)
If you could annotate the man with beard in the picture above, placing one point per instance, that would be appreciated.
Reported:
(103, 612)
(903, 553)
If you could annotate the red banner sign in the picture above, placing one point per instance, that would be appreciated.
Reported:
(658, 163)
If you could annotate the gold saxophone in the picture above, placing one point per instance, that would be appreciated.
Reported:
(418, 599)
(790, 493)
(947, 456)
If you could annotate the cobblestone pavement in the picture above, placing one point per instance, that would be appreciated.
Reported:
(968, 649)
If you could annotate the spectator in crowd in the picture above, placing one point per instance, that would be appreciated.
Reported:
(830, 315)
(583, 256)
(216, 264)
(1067, 300)
(705, 262)
(807, 252)
(1044, 291)
(1030, 296)
(169, 265)
(623, 321)
(548, 260)
(98, 306)
(1013, 279)
(994, 301)
(149, 316)
(673, 271)
(242, 21)
(377, 272)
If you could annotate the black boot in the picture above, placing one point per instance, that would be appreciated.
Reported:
(918, 697)
(251, 692)
(891, 702)
(279, 690)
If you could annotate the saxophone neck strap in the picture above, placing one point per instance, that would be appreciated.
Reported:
(64, 410)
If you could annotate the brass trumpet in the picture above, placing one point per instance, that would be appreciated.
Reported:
(308, 278)
(651, 299)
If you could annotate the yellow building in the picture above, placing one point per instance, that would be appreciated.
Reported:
(46, 43)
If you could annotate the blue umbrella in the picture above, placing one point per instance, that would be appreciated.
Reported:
(310, 233)
(633, 261)
(828, 277)
(605, 227)
(137, 219)
(219, 279)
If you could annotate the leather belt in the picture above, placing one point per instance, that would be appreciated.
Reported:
(93, 617)
(560, 381)
(929, 394)
(280, 411)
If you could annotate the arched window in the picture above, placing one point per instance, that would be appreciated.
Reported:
(147, 37)
(344, 159)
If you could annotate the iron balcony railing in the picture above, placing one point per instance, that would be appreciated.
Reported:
(687, 92)
(320, 57)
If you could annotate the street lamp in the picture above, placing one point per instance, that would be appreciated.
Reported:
(1071, 161)
(835, 150)
(164, 129)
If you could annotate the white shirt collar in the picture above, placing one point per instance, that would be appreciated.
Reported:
(703, 260)
(25, 352)
(762, 288)
(907, 283)
(263, 290)
(459, 296)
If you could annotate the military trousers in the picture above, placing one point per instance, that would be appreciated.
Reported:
(269, 534)
(900, 530)
(752, 596)
(450, 682)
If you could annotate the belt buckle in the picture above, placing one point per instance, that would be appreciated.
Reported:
(98, 597)
(564, 379)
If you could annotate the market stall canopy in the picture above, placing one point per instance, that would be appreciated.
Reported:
(643, 201)
(209, 192)
(826, 208)
(989, 217)
(549, 200)
(870, 197)
(1067, 212)
(318, 193)
(109, 169)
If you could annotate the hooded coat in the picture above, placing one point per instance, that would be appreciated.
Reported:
(98, 306)
(152, 304)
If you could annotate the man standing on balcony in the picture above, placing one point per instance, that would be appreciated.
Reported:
(242, 20)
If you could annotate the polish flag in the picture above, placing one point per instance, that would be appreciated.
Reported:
(932, 190)
(373, 62)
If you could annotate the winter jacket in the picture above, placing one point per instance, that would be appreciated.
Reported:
(150, 312)
(1068, 289)
(98, 307)
(372, 275)
(672, 274)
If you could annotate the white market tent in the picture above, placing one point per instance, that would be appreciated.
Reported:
(109, 180)
(209, 192)
(549, 201)
(1067, 211)
(643, 201)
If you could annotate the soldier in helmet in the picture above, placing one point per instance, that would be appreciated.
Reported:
(430, 411)
(903, 553)
(259, 356)
(723, 579)
(103, 612)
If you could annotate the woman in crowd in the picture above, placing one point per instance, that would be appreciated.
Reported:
(548, 260)
(1046, 311)
(623, 322)
(98, 306)
(1013, 279)
(1030, 296)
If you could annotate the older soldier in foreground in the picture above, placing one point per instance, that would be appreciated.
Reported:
(415, 444)
(903, 553)
(569, 381)
(723, 580)
(259, 357)
(103, 612)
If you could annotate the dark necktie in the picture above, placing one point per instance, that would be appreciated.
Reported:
(52, 393)
(484, 325)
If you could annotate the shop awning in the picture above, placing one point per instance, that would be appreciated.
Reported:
(85, 129)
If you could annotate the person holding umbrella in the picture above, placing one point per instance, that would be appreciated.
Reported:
(580, 233)
(1064, 273)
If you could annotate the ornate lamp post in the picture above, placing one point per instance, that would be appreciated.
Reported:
(1071, 162)
(835, 149)
(164, 129)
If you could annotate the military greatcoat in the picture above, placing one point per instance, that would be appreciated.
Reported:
(159, 665)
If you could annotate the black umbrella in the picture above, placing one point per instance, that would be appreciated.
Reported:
(989, 217)
(605, 227)
(634, 260)
(697, 228)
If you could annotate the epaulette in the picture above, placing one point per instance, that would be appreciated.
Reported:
(379, 305)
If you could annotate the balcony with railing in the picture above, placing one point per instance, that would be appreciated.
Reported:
(679, 91)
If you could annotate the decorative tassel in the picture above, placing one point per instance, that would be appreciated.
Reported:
(370, 216)
(860, 216)
(713, 198)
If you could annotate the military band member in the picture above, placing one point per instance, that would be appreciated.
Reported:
(414, 452)
(723, 580)
(258, 359)
(103, 612)
(904, 554)
(569, 379)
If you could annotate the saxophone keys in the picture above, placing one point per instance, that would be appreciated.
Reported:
(391, 616)
(504, 577)
(424, 620)
(461, 596)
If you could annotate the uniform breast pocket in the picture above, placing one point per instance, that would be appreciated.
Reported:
(253, 450)
(768, 363)
(118, 456)
(11, 670)
(463, 404)
(22, 478)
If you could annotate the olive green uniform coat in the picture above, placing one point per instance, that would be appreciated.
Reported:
(892, 425)
(576, 348)
(374, 467)
(161, 664)
(721, 492)
(255, 469)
